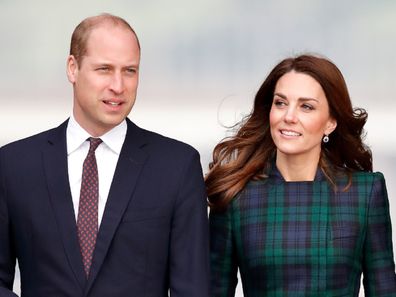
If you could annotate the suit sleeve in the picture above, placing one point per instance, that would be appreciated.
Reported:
(379, 277)
(223, 257)
(189, 246)
(7, 257)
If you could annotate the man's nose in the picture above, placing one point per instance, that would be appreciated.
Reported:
(117, 83)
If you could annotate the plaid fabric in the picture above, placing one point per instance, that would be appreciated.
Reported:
(304, 239)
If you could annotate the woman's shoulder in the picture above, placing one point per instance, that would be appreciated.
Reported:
(366, 176)
(365, 182)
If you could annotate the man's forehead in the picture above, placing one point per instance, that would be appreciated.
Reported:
(104, 28)
(100, 35)
(100, 40)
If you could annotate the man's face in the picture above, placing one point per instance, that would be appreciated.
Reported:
(105, 82)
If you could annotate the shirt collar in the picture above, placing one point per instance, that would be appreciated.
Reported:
(76, 136)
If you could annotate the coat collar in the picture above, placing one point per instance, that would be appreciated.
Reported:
(55, 165)
(274, 174)
(130, 163)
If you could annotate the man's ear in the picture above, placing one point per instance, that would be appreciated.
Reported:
(71, 69)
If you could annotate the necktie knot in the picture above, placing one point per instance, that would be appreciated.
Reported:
(93, 144)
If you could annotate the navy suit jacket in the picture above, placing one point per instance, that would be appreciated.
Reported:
(153, 237)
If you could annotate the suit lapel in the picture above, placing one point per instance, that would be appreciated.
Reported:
(56, 170)
(129, 165)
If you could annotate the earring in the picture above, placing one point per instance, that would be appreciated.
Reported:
(326, 139)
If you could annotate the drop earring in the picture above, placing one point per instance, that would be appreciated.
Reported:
(326, 139)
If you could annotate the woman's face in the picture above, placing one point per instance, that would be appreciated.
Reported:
(299, 116)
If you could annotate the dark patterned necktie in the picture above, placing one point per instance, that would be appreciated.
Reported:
(87, 219)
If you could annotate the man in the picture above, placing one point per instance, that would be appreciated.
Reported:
(98, 206)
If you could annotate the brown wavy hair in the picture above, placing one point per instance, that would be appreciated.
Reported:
(247, 155)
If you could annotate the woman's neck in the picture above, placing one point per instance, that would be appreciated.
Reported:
(296, 168)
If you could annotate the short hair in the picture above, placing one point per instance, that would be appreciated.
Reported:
(78, 44)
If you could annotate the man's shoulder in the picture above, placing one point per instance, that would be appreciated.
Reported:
(157, 141)
(29, 143)
(161, 139)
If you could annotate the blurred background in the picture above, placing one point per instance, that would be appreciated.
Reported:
(202, 63)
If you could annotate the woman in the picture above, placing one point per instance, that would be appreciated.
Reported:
(294, 202)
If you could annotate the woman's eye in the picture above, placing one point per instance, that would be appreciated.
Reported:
(279, 103)
(307, 107)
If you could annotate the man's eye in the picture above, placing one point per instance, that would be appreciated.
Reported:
(131, 70)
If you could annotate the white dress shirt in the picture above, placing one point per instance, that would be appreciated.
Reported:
(106, 154)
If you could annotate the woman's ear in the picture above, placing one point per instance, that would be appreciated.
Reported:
(331, 125)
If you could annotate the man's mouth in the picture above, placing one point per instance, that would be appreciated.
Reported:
(112, 103)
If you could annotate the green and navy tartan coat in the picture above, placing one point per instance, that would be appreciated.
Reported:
(304, 239)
